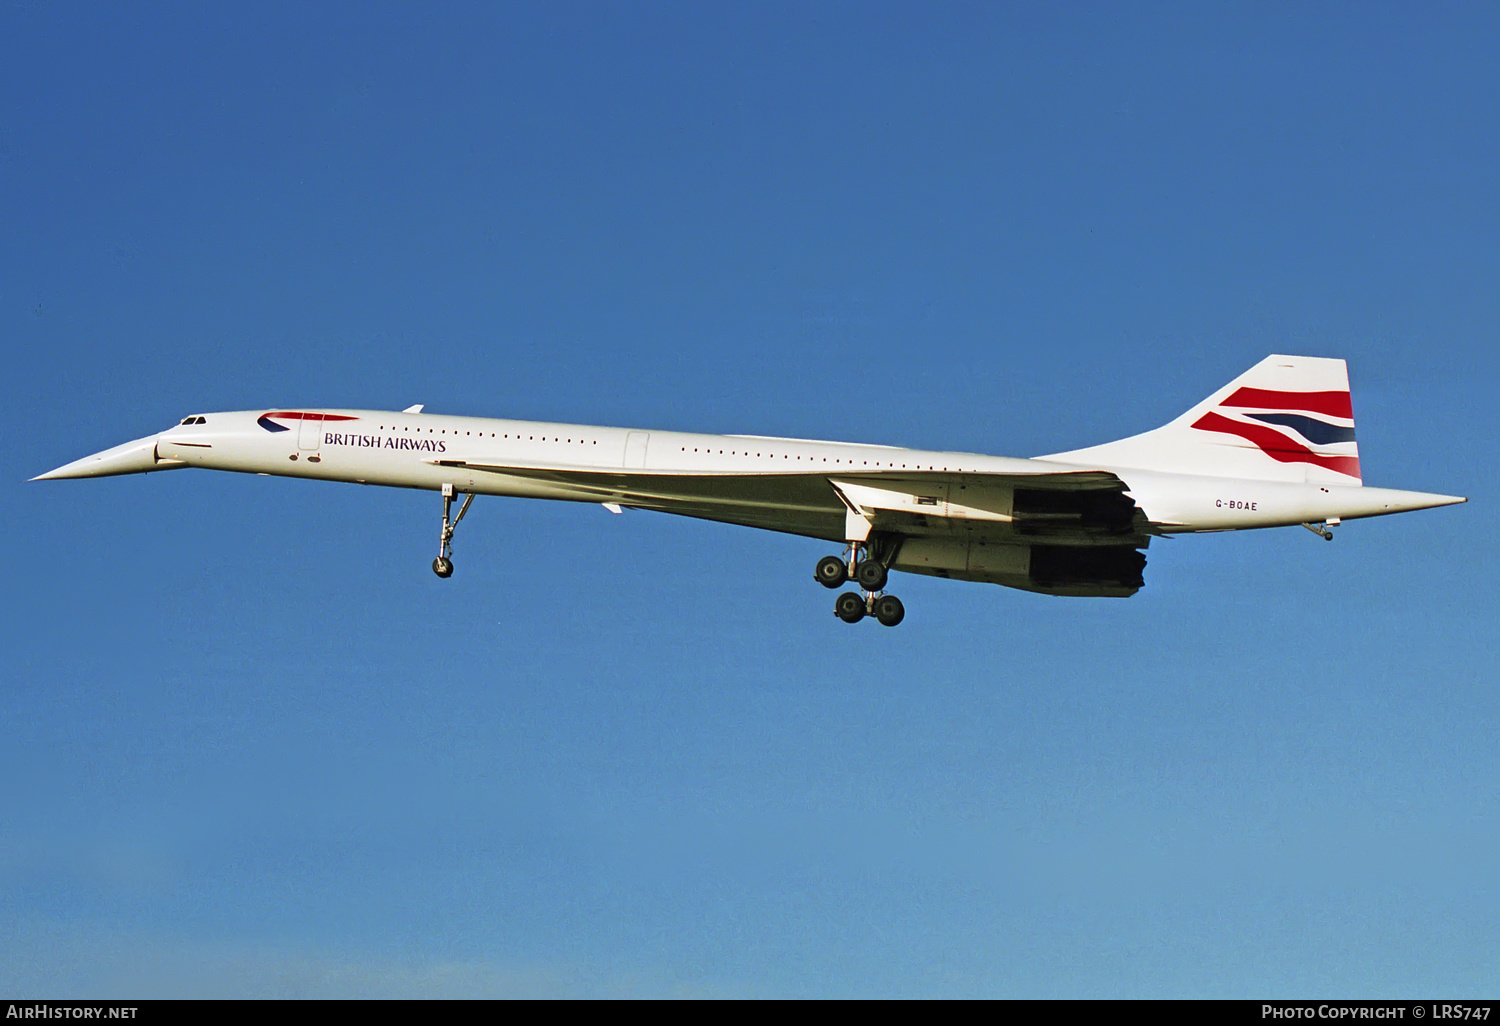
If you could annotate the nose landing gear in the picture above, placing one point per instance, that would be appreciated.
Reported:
(443, 565)
(870, 573)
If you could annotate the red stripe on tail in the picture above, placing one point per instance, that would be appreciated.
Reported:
(1334, 404)
(1277, 445)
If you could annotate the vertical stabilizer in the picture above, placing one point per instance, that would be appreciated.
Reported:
(1288, 418)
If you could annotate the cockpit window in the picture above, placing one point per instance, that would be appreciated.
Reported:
(186, 420)
(193, 420)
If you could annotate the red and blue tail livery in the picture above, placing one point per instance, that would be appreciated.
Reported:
(1316, 428)
(1288, 418)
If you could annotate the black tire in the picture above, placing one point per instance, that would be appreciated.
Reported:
(889, 610)
(870, 575)
(831, 572)
(442, 567)
(850, 607)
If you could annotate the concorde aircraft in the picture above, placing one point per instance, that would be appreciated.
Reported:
(1273, 448)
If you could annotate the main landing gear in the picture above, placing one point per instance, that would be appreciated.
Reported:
(443, 566)
(870, 574)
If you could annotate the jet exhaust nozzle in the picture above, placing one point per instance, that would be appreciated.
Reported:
(138, 457)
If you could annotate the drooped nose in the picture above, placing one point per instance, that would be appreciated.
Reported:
(136, 457)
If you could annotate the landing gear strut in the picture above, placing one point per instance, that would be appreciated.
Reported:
(869, 571)
(443, 566)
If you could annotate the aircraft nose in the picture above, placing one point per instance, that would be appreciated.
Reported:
(137, 457)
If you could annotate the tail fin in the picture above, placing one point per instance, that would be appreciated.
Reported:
(1288, 418)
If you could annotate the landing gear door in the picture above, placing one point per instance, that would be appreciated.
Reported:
(635, 449)
(311, 435)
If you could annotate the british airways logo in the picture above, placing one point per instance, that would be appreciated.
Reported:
(379, 442)
(1291, 427)
(269, 422)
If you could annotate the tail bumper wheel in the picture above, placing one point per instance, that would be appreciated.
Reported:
(442, 566)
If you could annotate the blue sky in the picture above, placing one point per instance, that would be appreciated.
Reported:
(254, 747)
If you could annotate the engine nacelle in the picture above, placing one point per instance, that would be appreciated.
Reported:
(1083, 570)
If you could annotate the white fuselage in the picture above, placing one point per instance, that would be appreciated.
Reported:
(1274, 447)
(409, 450)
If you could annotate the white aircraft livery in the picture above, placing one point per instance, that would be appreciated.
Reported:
(1273, 448)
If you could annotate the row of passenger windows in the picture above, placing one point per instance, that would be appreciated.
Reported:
(492, 434)
(814, 459)
(595, 441)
